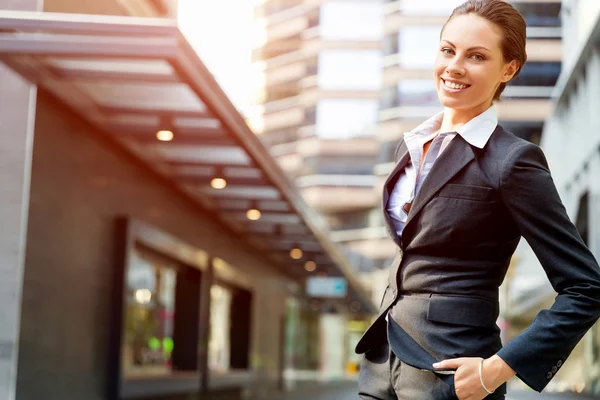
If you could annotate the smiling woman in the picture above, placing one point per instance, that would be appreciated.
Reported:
(462, 193)
(497, 56)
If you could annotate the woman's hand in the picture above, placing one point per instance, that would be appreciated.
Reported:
(466, 378)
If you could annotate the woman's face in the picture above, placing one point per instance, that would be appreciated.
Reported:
(469, 66)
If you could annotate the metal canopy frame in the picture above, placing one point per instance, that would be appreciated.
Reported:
(130, 77)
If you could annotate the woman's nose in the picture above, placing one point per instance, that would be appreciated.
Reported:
(455, 67)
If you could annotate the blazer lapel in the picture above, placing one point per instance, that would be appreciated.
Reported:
(391, 179)
(388, 186)
(458, 154)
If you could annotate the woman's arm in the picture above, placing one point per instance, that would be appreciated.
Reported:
(532, 200)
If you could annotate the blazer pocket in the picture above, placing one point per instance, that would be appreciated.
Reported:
(468, 192)
(463, 310)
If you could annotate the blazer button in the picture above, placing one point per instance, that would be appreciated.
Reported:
(559, 363)
(554, 369)
(549, 375)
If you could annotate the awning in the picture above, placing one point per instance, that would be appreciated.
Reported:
(132, 77)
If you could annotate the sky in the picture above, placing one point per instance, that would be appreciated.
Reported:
(223, 32)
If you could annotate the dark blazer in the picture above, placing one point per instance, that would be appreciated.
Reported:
(461, 231)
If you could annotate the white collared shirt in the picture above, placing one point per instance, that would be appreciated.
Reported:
(476, 132)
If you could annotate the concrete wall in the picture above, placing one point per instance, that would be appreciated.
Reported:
(80, 182)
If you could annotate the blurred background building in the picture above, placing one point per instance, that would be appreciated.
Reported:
(571, 141)
(319, 108)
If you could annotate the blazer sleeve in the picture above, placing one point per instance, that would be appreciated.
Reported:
(532, 200)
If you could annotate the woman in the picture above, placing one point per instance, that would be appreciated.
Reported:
(462, 194)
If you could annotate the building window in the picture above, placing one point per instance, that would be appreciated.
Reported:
(343, 20)
(149, 316)
(540, 14)
(419, 93)
(418, 46)
(429, 7)
(346, 118)
(528, 130)
(387, 152)
(337, 165)
(350, 70)
(538, 74)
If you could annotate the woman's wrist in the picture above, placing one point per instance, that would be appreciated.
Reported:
(496, 371)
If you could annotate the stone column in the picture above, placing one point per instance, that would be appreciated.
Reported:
(17, 117)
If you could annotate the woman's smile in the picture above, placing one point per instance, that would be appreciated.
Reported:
(453, 86)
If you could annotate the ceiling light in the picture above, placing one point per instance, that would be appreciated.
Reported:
(143, 296)
(218, 183)
(253, 214)
(164, 136)
(310, 266)
(296, 254)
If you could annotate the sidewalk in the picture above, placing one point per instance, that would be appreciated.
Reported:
(526, 395)
(315, 390)
(347, 390)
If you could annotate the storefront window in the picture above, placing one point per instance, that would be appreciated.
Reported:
(149, 316)
(220, 328)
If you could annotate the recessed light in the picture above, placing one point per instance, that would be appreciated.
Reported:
(310, 266)
(143, 296)
(296, 254)
(218, 183)
(253, 214)
(164, 136)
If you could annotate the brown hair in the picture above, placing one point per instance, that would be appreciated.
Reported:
(511, 23)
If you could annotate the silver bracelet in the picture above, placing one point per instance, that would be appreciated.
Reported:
(481, 378)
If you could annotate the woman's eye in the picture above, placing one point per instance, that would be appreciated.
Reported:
(446, 50)
(477, 57)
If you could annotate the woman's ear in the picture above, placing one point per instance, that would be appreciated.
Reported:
(510, 70)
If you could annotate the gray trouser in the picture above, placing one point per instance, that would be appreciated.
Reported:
(384, 377)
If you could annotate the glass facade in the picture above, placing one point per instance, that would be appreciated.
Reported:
(149, 316)
(345, 118)
(350, 70)
(343, 20)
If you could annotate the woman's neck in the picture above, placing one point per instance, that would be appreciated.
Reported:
(454, 119)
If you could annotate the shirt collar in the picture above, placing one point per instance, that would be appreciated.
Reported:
(476, 132)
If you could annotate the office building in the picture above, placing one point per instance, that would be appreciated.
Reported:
(571, 143)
